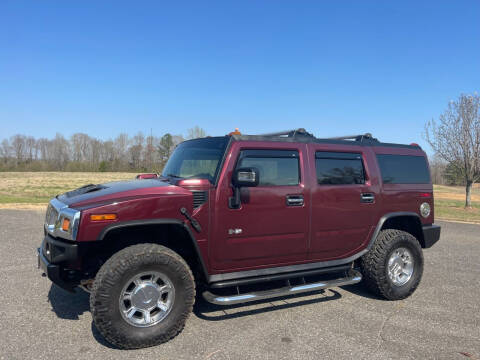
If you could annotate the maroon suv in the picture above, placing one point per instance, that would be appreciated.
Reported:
(242, 218)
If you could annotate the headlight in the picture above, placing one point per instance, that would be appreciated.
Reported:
(61, 221)
(425, 209)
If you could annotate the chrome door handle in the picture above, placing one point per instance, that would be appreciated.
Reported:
(295, 200)
(368, 198)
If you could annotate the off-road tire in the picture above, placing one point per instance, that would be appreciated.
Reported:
(112, 277)
(374, 264)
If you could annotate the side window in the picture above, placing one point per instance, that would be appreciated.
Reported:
(276, 167)
(336, 168)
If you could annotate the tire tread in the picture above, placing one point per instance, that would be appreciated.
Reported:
(373, 263)
(121, 262)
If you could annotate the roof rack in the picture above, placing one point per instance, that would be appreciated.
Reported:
(290, 133)
(361, 137)
(302, 132)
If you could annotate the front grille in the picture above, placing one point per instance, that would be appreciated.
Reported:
(199, 198)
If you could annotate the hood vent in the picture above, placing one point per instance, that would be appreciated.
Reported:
(199, 198)
(84, 189)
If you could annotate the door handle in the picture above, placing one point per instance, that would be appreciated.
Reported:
(368, 198)
(295, 200)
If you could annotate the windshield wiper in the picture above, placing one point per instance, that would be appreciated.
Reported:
(175, 176)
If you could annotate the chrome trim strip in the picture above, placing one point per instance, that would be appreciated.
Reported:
(354, 278)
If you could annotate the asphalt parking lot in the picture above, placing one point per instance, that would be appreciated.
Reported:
(441, 320)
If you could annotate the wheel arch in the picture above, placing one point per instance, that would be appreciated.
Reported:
(172, 233)
(403, 220)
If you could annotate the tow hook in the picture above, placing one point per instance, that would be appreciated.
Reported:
(189, 217)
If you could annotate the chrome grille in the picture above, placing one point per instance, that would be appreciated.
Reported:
(199, 198)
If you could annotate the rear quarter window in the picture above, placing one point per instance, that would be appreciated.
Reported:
(403, 169)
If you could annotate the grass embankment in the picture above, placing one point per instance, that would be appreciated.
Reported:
(33, 190)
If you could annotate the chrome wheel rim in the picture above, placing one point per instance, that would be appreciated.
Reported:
(400, 266)
(146, 299)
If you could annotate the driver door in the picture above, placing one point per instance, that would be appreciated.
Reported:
(271, 225)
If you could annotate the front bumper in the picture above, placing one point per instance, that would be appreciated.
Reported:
(431, 234)
(52, 258)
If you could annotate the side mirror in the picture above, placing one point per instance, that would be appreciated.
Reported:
(246, 177)
(242, 177)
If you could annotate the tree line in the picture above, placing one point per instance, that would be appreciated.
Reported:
(81, 152)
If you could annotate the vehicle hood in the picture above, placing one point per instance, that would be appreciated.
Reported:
(88, 195)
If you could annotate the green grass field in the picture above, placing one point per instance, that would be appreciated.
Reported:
(34, 190)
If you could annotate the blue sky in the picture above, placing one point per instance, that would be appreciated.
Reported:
(333, 67)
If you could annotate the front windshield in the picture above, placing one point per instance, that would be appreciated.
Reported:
(197, 159)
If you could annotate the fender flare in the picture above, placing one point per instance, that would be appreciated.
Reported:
(386, 217)
(133, 223)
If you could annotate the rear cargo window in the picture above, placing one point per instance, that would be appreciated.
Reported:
(403, 169)
(339, 168)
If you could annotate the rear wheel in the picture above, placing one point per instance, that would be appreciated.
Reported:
(142, 296)
(393, 267)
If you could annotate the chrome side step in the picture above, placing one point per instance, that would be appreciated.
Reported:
(353, 278)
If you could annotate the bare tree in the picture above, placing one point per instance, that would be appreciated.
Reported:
(437, 169)
(60, 149)
(42, 144)
(5, 150)
(456, 138)
(136, 150)
(120, 144)
(18, 146)
(30, 148)
(196, 132)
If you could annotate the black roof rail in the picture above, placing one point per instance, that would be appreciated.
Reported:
(362, 137)
(303, 132)
(303, 136)
(290, 133)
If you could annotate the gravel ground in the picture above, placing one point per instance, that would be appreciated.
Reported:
(440, 320)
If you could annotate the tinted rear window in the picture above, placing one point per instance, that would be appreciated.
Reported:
(403, 169)
(339, 168)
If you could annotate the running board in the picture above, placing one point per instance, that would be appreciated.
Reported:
(353, 278)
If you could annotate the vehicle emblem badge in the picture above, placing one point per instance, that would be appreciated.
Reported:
(234, 231)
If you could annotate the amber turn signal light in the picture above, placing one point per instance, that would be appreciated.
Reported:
(102, 217)
(65, 224)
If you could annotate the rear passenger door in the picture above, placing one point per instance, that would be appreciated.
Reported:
(344, 202)
(271, 226)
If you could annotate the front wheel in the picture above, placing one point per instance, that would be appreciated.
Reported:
(142, 296)
(393, 267)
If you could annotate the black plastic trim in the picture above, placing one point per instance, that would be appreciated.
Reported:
(431, 234)
(131, 223)
(290, 275)
(385, 218)
(59, 250)
(53, 272)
